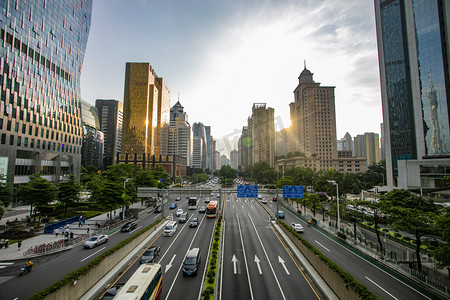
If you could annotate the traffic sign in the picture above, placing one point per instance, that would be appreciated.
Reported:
(292, 191)
(247, 191)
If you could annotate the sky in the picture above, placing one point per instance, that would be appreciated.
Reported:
(219, 57)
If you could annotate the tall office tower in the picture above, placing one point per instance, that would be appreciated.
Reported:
(110, 112)
(414, 54)
(204, 132)
(367, 146)
(42, 51)
(346, 142)
(382, 151)
(180, 141)
(197, 151)
(313, 120)
(145, 110)
(281, 142)
(262, 134)
(93, 138)
(244, 146)
(224, 161)
(234, 159)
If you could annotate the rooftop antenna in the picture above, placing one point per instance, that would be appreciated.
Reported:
(304, 63)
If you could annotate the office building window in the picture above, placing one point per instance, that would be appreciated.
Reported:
(25, 142)
(19, 140)
(3, 140)
(16, 127)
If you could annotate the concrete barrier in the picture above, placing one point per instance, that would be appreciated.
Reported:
(86, 282)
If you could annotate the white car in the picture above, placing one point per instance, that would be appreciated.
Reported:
(297, 227)
(264, 200)
(96, 240)
(179, 212)
(259, 197)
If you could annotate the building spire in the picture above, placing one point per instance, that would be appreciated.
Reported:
(304, 63)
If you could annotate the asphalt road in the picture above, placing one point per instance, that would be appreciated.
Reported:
(256, 265)
(382, 281)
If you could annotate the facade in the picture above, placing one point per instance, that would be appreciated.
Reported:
(42, 53)
(413, 39)
(234, 159)
(174, 165)
(282, 139)
(179, 134)
(368, 146)
(224, 161)
(93, 138)
(145, 110)
(244, 146)
(207, 152)
(382, 150)
(346, 143)
(346, 163)
(110, 112)
(197, 151)
(313, 120)
(262, 133)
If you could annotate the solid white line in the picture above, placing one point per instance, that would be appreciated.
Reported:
(134, 230)
(322, 246)
(1, 267)
(6, 263)
(245, 258)
(93, 254)
(381, 288)
(267, 257)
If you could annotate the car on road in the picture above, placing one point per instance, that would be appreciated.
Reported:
(280, 214)
(173, 205)
(259, 197)
(158, 209)
(183, 218)
(202, 209)
(191, 262)
(193, 222)
(177, 198)
(179, 212)
(128, 226)
(150, 255)
(207, 200)
(297, 227)
(275, 199)
(218, 195)
(95, 241)
(264, 201)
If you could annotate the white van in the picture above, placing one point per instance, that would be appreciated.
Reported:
(170, 228)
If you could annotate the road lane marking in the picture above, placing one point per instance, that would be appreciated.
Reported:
(267, 257)
(170, 263)
(257, 261)
(134, 229)
(93, 254)
(381, 288)
(281, 261)
(234, 261)
(322, 246)
(245, 257)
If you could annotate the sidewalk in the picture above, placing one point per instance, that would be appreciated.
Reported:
(13, 253)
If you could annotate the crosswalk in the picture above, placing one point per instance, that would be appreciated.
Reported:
(5, 264)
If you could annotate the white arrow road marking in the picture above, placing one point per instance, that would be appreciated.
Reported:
(234, 260)
(381, 288)
(257, 261)
(281, 261)
(170, 263)
(322, 246)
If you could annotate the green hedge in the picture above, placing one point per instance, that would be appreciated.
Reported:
(212, 266)
(70, 278)
(348, 279)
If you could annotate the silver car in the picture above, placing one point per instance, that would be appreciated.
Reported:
(96, 240)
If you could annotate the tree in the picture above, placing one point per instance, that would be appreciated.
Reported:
(68, 192)
(412, 214)
(286, 180)
(355, 215)
(144, 178)
(6, 192)
(442, 252)
(376, 219)
(38, 192)
(108, 193)
(161, 176)
(227, 172)
(313, 201)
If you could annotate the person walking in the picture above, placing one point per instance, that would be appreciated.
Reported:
(19, 244)
(62, 231)
(56, 232)
(5, 244)
(71, 235)
(88, 229)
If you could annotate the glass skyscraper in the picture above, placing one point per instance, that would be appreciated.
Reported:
(42, 50)
(413, 45)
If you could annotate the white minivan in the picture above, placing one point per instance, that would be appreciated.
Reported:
(170, 228)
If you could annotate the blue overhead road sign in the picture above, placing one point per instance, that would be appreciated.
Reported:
(247, 191)
(292, 191)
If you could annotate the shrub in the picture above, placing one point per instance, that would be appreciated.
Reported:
(215, 245)
(397, 235)
(211, 274)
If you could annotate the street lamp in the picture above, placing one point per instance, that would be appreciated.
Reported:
(123, 207)
(337, 201)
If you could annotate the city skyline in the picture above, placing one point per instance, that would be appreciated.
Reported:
(255, 53)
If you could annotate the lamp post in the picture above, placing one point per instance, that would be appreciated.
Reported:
(337, 202)
(123, 207)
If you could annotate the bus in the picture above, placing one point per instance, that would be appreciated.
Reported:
(146, 283)
(211, 209)
(192, 203)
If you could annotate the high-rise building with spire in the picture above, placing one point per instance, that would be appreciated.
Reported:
(180, 138)
(414, 58)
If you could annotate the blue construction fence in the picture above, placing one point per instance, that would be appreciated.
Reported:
(50, 228)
